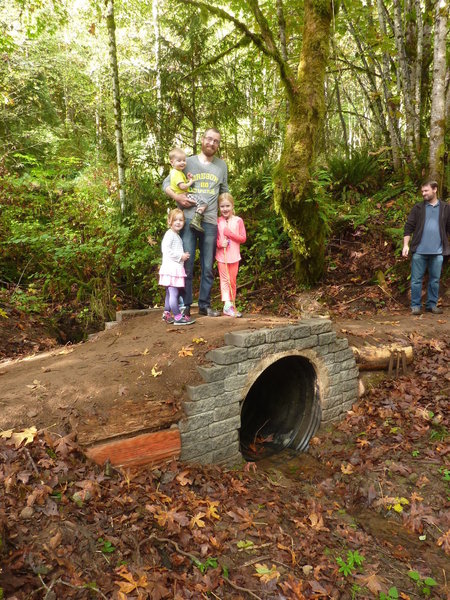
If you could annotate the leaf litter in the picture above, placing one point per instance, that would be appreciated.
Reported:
(71, 529)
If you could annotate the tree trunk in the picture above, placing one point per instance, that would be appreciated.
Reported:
(120, 152)
(437, 119)
(293, 194)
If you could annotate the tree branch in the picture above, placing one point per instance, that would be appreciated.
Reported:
(212, 61)
(263, 42)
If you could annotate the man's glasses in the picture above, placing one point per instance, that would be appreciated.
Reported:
(211, 140)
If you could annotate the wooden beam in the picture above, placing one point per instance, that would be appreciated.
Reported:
(146, 449)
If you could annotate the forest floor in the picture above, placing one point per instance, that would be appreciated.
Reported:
(363, 514)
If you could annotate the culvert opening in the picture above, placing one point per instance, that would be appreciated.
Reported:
(281, 409)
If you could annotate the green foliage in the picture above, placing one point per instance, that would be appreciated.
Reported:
(391, 595)
(424, 584)
(210, 563)
(105, 546)
(353, 562)
(62, 241)
(355, 175)
(267, 244)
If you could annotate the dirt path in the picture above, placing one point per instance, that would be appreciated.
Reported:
(134, 374)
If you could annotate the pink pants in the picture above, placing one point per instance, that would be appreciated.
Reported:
(228, 275)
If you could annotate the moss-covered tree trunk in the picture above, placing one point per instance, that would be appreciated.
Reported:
(293, 194)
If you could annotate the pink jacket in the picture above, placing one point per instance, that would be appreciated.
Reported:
(233, 230)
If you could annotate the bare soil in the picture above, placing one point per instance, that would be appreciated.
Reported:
(132, 377)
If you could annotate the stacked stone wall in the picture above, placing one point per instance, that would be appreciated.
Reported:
(210, 429)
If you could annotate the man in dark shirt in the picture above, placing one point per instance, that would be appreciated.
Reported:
(429, 224)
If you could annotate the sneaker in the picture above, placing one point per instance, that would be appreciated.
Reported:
(183, 320)
(196, 223)
(207, 311)
(435, 310)
(186, 311)
(167, 317)
(229, 312)
(416, 310)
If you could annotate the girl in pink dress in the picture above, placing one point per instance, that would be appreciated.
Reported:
(230, 235)
(172, 274)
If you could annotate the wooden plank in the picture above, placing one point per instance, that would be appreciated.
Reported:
(130, 417)
(145, 449)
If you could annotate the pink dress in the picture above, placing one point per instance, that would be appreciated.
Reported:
(171, 272)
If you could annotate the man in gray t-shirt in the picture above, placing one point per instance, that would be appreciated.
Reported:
(210, 175)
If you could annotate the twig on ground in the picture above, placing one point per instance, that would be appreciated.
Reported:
(241, 589)
(30, 458)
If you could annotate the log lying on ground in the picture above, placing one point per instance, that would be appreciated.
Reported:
(374, 358)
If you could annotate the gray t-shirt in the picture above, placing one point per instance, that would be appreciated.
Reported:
(210, 180)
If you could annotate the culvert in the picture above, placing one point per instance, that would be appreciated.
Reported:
(278, 383)
(281, 409)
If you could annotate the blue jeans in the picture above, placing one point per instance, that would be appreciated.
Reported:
(207, 243)
(419, 264)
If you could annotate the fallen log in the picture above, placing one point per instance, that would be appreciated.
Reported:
(374, 358)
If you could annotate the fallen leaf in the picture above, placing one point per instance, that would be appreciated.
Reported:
(347, 469)
(122, 390)
(182, 479)
(197, 520)
(156, 373)
(265, 574)
(372, 582)
(18, 437)
(185, 351)
(146, 351)
(199, 340)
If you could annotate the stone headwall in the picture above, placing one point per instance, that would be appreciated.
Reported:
(210, 430)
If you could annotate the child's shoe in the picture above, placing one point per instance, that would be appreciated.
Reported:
(183, 320)
(229, 312)
(196, 222)
(167, 317)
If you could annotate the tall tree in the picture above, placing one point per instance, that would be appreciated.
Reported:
(438, 116)
(120, 151)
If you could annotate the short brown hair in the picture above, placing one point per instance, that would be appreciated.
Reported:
(431, 182)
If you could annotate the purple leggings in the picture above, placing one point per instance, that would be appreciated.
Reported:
(171, 303)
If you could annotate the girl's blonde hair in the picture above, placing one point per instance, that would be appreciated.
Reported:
(226, 196)
(175, 212)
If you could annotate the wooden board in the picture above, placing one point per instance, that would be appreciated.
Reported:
(148, 448)
(125, 419)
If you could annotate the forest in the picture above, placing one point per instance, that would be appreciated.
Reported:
(331, 114)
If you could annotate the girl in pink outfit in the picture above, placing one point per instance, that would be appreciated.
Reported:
(230, 235)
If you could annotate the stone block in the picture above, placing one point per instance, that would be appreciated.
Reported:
(227, 412)
(246, 338)
(248, 365)
(223, 427)
(327, 338)
(341, 344)
(192, 451)
(190, 438)
(111, 325)
(319, 325)
(196, 422)
(217, 373)
(227, 355)
(300, 331)
(225, 454)
(308, 342)
(279, 334)
(261, 351)
(285, 346)
(228, 398)
(223, 440)
(194, 408)
(236, 382)
(205, 390)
